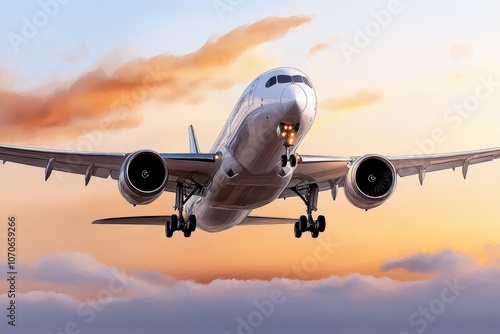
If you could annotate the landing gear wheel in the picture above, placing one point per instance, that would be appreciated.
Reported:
(284, 160)
(168, 229)
(321, 223)
(293, 160)
(310, 198)
(303, 223)
(174, 220)
(314, 233)
(191, 224)
(177, 221)
(297, 231)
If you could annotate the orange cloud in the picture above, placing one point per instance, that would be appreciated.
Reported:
(98, 95)
(321, 47)
(361, 98)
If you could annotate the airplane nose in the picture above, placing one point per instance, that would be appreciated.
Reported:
(293, 99)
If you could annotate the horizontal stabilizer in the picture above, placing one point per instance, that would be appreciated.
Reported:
(258, 220)
(160, 220)
(141, 220)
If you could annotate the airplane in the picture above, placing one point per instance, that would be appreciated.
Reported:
(253, 162)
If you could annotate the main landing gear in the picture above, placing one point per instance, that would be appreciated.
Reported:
(287, 133)
(177, 222)
(307, 223)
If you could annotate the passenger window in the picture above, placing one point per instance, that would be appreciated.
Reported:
(271, 82)
(284, 79)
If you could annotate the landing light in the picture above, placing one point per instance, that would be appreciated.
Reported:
(287, 133)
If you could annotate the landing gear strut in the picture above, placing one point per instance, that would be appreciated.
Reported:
(288, 157)
(306, 223)
(287, 133)
(177, 222)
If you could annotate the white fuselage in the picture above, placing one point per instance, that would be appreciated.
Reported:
(250, 173)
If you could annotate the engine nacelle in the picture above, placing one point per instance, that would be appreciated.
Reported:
(143, 177)
(369, 182)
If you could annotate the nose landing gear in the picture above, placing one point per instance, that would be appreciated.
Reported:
(287, 157)
(287, 134)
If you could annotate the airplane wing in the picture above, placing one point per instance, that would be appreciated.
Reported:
(194, 167)
(329, 172)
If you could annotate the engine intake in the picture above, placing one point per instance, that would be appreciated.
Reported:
(143, 177)
(370, 181)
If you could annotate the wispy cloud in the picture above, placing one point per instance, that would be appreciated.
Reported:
(98, 94)
(444, 261)
(360, 99)
(321, 47)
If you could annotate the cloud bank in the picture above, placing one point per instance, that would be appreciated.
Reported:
(135, 302)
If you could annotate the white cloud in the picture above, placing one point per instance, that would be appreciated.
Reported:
(156, 303)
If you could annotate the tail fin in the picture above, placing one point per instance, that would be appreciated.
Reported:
(193, 143)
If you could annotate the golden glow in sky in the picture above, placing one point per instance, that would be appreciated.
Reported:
(393, 78)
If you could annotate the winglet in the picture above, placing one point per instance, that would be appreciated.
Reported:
(193, 143)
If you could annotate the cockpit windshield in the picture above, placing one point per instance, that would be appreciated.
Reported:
(271, 82)
(282, 78)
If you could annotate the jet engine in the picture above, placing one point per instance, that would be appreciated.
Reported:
(369, 182)
(143, 177)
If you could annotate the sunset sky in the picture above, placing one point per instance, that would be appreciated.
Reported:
(391, 77)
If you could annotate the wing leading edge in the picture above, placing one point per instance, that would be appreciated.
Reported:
(193, 167)
(329, 172)
(326, 172)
